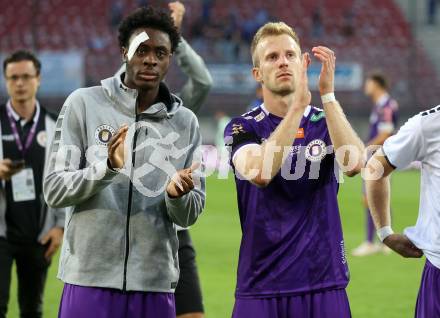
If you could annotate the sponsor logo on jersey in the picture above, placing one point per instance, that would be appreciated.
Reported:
(237, 129)
(260, 117)
(317, 117)
(8, 138)
(343, 254)
(295, 150)
(300, 133)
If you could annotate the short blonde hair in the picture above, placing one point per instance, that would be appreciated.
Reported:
(270, 29)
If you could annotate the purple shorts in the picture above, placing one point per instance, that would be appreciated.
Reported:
(93, 302)
(326, 304)
(428, 301)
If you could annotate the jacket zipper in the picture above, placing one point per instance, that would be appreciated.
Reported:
(127, 222)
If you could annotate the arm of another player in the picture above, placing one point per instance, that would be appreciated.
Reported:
(199, 83)
(54, 238)
(55, 235)
(380, 138)
(397, 152)
(185, 193)
(260, 163)
(340, 130)
(378, 196)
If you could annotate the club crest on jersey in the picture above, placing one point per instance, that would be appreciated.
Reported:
(316, 150)
(42, 138)
(103, 134)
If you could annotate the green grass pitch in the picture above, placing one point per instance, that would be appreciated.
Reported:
(380, 286)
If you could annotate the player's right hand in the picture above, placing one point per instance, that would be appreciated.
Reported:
(302, 95)
(116, 154)
(7, 170)
(403, 246)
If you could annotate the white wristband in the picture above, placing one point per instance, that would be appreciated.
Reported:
(384, 232)
(328, 98)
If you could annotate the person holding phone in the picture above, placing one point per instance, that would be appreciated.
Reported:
(30, 232)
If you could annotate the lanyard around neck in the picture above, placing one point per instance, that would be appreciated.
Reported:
(30, 137)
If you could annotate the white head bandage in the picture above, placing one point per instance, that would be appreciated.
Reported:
(141, 37)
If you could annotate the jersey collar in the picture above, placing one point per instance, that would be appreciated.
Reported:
(306, 111)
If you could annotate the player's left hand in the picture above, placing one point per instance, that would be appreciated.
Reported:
(403, 246)
(54, 237)
(182, 182)
(116, 148)
(177, 12)
(327, 76)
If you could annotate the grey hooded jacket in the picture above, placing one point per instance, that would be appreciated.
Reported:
(120, 228)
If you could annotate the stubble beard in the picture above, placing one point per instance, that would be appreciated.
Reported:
(284, 90)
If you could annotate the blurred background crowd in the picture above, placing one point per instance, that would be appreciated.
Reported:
(77, 42)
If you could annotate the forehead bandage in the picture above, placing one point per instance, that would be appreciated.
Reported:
(141, 37)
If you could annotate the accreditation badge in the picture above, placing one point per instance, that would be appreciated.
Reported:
(23, 185)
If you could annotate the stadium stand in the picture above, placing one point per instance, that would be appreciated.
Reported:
(373, 33)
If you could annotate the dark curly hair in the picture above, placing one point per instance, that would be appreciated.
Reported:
(148, 17)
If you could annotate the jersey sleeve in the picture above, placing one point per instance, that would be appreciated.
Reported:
(407, 145)
(238, 133)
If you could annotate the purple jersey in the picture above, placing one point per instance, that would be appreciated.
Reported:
(383, 117)
(292, 239)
